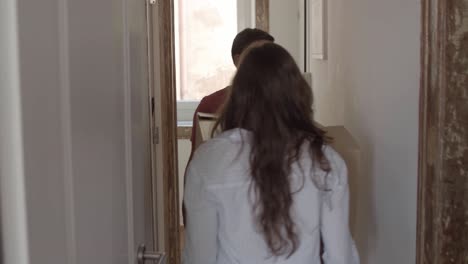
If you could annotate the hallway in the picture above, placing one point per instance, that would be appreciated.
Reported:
(90, 157)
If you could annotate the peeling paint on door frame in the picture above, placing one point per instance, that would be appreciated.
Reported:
(442, 235)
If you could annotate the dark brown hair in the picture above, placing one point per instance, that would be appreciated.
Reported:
(246, 37)
(270, 98)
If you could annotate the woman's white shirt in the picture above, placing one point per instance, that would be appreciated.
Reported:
(221, 224)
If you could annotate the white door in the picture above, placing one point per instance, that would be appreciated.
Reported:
(74, 141)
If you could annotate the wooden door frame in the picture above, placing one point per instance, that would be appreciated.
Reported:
(262, 15)
(168, 129)
(442, 235)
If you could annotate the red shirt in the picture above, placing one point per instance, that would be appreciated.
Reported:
(209, 104)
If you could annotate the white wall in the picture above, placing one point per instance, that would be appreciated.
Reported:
(285, 26)
(370, 83)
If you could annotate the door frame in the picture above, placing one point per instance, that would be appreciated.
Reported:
(442, 233)
(262, 15)
(164, 129)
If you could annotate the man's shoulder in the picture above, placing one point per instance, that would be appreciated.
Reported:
(220, 94)
(211, 103)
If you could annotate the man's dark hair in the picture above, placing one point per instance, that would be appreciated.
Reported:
(246, 37)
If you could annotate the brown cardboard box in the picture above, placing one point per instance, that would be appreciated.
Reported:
(343, 141)
(204, 125)
(347, 147)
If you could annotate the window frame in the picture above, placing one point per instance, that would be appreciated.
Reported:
(245, 18)
(185, 112)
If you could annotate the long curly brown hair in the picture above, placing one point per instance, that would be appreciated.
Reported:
(270, 98)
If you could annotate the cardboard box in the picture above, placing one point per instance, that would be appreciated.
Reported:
(343, 141)
(347, 147)
(204, 125)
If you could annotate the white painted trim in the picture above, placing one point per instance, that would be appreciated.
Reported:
(321, 34)
(177, 46)
(65, 105)
(158, 180)
(12, 176)
(128, 132)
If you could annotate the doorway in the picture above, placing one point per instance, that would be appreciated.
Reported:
(177, 25)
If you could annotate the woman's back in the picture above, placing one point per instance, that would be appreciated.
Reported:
(222, 226)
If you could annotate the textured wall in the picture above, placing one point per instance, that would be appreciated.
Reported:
(443, 234)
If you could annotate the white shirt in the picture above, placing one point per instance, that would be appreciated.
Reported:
(221, 226)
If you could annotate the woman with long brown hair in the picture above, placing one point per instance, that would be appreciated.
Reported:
(268, 188)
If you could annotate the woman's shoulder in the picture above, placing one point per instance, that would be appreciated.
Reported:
(223, 142)
(224, 151)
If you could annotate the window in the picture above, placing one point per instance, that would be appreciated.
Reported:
(204, 30)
